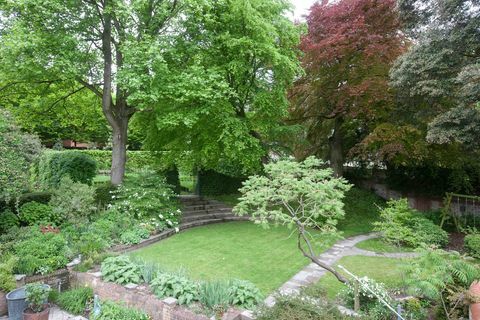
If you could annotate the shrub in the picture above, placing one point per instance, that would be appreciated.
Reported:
(134, 235)
(111, 310)
(73, 201)
(170, 285)
(148, 198)
(34, 213)
(103, 194)
(300, 307)
(215, 295)
(244, 294)
(7, 281)
(121, 270)
(90, 244)
(76, 300)
(7, 220)
(36, 296)
(402, 225)
(41, 253)
(472, 244)
(55, 165)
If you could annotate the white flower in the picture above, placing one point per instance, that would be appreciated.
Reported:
(160, 216)
(177, 229)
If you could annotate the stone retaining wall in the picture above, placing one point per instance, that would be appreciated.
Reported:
(58, 280)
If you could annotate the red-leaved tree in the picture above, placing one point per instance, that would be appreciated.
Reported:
(348, 51)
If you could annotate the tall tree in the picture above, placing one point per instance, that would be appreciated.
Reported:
(348, 51)
(104, 46)
(224, 99)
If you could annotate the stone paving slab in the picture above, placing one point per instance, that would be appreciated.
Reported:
(57, 314)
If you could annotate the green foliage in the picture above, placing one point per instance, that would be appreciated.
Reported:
(7, 220)
(111, 310)
(402, 225)
(41, 253)
(136, 160)
(212, 183)
(472, 244)
(294, 191)
(75, 301)
(36, 296)
(40, 197)
(147, 197)
(17, 151)
(103, 194)
(35, 213)
(244, 294)
(134, 235)
(176, 286)
(214, 295)
(300, 307)
(73, 201)
(54, 165)
(439, 275)
(121, 270)
(7, 280)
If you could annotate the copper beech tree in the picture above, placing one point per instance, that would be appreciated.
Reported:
(301, 195)
(348, 51)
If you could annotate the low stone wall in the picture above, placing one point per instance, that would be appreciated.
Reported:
(58, 280)
(141, 298)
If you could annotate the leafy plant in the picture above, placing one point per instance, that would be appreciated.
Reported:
(74, 201)
(7, 281)
(441, 277)
(245, 294)
(8, 219)
(134, 235)
(121, 270)
(41, 253)
(215, 295)
(34, 213)
(149, 270)
(472, 244)
(36, 296)
(111, 310)
(75, 300)
(170, 285)
(401, 225)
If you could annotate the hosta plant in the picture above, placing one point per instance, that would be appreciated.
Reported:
(121, 270)
(244, 294)
(179, 287)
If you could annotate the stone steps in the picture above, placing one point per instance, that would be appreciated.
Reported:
(197, 209)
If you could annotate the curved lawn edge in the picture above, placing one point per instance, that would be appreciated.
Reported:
(170, 232)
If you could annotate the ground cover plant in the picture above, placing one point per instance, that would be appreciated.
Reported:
(111, 310)
(75, 301)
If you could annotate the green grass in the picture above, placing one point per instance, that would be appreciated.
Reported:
(385, 270)
(239, 250)
(378, 245)
(101, 178)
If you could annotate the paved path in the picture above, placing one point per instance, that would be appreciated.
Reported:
(57, 314)
(312, 273)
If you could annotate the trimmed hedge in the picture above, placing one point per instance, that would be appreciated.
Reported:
(135, 159)
(54, 165)
(212, 183)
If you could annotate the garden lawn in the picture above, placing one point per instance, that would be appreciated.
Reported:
(378, 245)
(385, 270)
(241, 250)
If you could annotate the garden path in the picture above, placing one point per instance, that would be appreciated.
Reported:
(57, 314)
(312, 272)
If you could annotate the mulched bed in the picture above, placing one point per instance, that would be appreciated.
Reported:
(455, 241)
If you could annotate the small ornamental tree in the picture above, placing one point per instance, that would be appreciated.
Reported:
(301, 195)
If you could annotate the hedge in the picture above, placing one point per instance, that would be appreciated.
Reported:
(212, 183)
(135, 159)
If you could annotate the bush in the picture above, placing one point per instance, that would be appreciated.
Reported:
(170, 285)
(148, 198)
(7, 281)
(111, 310)
(244, 294)
(40, 197)
(54, 165)
(472, 244)
(36, 295)
(73, 201)
(41, 253)
(215, 295)
(7, 220)
(212, 183)
(136, 160)
(402, 225)
(121, 270)
(76, 300)
(134, 235)
(299, 307)
(103, 194)
(34, 213)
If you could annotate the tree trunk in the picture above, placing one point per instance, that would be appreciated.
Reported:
(119, 151)
(336, 148)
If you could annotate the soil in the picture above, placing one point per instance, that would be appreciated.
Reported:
(455, 241)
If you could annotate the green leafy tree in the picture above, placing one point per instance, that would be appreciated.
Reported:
(300, 195)
(223, 101)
